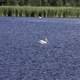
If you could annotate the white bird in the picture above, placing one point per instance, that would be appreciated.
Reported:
(43, 41)
(40, 17)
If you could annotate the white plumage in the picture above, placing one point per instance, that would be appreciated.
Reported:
(43, 41)
(40, 17)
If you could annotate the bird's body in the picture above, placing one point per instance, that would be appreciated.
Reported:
(40, 17)
(43, 41)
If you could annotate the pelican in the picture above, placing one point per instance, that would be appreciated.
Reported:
(45, 41)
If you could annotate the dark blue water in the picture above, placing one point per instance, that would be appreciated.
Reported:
(23, 58)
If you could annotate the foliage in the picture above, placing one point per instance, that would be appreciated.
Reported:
(41, 2)
(40, 11)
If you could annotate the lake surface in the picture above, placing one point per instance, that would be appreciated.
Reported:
(22, 57)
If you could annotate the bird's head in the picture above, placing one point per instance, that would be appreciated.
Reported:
(46, 39)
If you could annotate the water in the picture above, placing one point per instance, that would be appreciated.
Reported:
(23, 58)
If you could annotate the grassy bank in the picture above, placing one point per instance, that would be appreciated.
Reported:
(39, 11)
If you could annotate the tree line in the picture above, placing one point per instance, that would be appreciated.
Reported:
(41, 2)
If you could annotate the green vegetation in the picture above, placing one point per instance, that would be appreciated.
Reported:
(39, 11)
(41, 2)
(44, 8)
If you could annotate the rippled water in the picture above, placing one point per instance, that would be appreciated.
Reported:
(23, 58)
